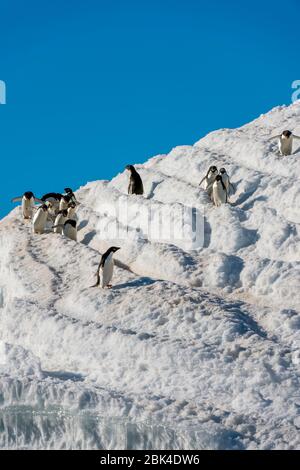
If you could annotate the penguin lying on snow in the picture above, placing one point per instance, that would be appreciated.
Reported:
(106, 266)
(135, 181)
(285, 142)
(28, 200)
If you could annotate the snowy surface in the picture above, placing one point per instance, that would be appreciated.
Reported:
(192, 348)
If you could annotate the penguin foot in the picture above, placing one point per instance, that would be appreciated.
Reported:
(109, 286)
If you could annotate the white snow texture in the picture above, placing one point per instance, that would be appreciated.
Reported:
(191, 348)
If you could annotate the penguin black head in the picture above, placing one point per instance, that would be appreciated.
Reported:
(44, 207)
(212, 169)
(218, 178)
(130, 168)
(222, 170)
(113, 249)
(68, 191)
(287, 134)
(28, 194)
(71, 222)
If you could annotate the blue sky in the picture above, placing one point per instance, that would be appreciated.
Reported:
(95, 85)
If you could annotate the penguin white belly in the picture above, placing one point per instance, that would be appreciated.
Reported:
(209, 184)
(72, 213)
(219, 195)
(107, 271)
(286, 146)
(60, 220)
(63, 205)
(39, 221)
(27, 207)
(225, 179)
(70, 232)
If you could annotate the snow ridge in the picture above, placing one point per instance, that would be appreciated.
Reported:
(192, 348)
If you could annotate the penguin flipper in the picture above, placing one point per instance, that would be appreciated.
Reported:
(203, 179)
(98, 280)
(36, 199)
(17, 199)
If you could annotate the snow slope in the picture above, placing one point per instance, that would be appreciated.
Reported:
(192, 348)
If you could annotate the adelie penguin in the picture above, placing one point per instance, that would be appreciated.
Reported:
(219, 192)
(69, 229)
(285, 142)
(60, 220)
(225, 178)
(135, 181)
(40, 219)
(69, 192)
(209, 179)
(28, 200)
(64, 202)
(54, 199)
(106, 267)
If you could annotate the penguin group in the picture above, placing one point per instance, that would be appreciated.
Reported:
(60, 209)
(217, 185)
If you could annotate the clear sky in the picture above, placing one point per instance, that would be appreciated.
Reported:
(93, 85)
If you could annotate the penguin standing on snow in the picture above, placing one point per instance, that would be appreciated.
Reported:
(209, 179)
(219, 192)
(28, 200)
(285, 142)
(106, 266)
(64, 202)
(40, 219)
(225, 178)
(135, 181)
(69, 192)
(69, 229)
(60, 220)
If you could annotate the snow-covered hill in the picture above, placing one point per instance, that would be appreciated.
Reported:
(192, 348)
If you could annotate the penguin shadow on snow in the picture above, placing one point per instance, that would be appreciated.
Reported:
(88, 237)
(153, 188)
(140, 282)
(82, 224)
(296, 151)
